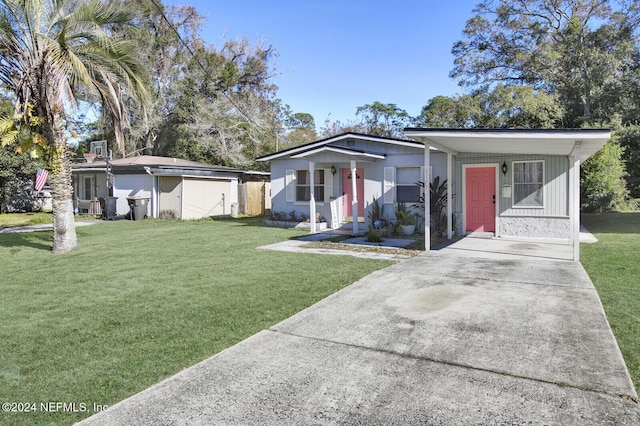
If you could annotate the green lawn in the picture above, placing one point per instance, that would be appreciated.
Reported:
(139, 301)
(613, 264)
(35, 218)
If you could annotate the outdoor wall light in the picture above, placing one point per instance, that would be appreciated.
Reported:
(504, 168)
(333, 169)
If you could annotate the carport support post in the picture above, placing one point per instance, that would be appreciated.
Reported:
(574, 200)
(354, 197)
(312, 192)
(449, 198)
(427, 197)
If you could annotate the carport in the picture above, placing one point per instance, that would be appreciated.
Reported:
(492, 148)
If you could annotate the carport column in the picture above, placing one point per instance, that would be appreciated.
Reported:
(312, 192)
(574, 200)
(354, 197)
(427, 197)
(449, 198)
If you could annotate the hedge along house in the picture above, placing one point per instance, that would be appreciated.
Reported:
(176, 188)
(511, 183)
(339, 177)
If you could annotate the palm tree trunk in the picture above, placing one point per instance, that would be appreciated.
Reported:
(64, 226)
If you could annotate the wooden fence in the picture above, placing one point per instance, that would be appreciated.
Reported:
(254, 198)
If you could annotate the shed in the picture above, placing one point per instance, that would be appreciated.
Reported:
(176, 188)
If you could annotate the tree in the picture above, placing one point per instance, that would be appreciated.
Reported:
(629, 139)
(501, 107)
(578, 50)
(51, 52)
(383, 119)
(333, 128)
(602, 185)
(297, 128)
(226, 103)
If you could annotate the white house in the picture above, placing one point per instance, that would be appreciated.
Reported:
(510, 183)
(178, 188)
(339, 177)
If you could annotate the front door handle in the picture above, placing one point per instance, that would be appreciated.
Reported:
(494, 198)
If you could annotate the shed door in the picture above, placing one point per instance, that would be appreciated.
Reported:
(205, 197)
(480, 198)
(170, 193)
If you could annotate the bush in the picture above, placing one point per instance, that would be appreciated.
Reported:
(373, 236)
(602, 186)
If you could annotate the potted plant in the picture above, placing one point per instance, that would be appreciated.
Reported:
(406, 221)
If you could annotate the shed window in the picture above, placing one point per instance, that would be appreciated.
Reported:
(407, 188)
(528, 183)
(303, 185)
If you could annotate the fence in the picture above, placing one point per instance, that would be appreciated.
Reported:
(254, 198)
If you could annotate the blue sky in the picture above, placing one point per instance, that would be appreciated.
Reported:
(334, 56)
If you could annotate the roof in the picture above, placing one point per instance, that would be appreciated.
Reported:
(152, 161)
(567, 142)
(316, 146)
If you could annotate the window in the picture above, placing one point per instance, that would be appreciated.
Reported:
(303, 185)
(407, 188)
(88, 188)
(528, 183)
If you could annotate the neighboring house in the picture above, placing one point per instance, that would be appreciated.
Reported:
(175, 188)
(385, 169)
(512, 183)
(515, 183)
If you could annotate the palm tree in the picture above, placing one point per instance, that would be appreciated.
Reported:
(52, 52)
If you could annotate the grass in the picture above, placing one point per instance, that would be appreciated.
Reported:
(614, 267)
(23, 219)
(138, 301)
(36, 218)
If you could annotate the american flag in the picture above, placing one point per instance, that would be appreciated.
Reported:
(41, 178)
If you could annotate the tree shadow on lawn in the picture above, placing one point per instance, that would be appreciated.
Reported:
(612, 223)
(38, 240)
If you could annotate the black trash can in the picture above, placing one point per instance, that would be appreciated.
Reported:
(138, 207)
(108, 207)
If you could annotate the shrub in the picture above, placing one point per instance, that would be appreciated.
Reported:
(602, 186)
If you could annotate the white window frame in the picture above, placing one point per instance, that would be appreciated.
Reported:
(514, 185)
(420, 174)
(291, 186)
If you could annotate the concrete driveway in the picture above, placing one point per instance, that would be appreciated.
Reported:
(437, 339)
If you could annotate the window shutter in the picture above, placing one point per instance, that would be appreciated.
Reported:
(426, 178)
(388, 187)
(328, 185)
(290, 183)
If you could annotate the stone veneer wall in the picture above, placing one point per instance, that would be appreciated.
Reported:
(534, 227)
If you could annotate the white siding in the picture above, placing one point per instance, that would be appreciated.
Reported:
(555, 184)
(133, 185)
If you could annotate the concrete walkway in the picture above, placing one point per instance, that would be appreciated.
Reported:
(41, 227)
(436, 339)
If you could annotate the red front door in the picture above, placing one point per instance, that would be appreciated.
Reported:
(480, 199)
(347, 190)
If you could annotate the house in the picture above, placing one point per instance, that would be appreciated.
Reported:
(175, 188)
(514, 183)
(339, 177)
(509, 183)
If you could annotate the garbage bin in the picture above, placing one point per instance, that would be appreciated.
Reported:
(138, 206)
(234, 209)
(108, 207)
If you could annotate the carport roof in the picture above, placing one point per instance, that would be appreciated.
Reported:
(513, 141)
